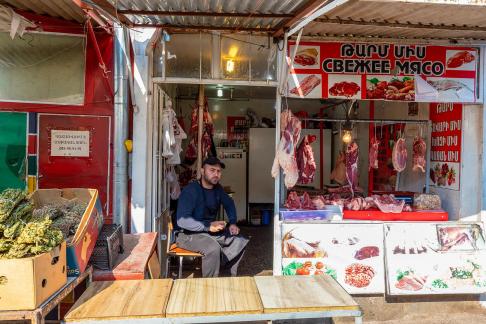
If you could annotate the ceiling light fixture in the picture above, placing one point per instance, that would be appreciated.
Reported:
(230, 66)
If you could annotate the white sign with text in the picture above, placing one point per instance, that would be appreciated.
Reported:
(69, 143)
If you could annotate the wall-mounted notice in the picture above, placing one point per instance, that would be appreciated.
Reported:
(445, 153)
(69, 143)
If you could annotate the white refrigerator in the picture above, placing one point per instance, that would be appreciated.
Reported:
(260, 160)
(234, 176)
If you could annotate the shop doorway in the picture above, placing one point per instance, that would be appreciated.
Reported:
(243, 122)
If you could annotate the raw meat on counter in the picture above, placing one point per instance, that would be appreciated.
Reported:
(306, 57)
(306, 85)
(367, 252)
(360, 203)
(305, 160)
(385, 203)
(338, 174)
(285, 155)
(399, 155)
(419, 151)
(359, 275)
(388, 203)
(373, 155)
(352, 155)
(294, 202)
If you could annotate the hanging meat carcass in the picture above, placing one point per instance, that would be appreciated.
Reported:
(285, 155)
(419, 151)
(338, 174)
(305, 160)
(208, 133)
(373, 156)
(352, 155)
(399, 155)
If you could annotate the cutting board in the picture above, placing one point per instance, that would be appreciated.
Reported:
(214, 296)
(303, 293)
(125, 299)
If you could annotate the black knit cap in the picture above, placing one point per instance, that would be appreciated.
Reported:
(212, 160)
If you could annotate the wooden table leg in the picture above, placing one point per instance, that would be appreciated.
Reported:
(37, 318)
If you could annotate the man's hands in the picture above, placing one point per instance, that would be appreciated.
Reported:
(217, 226)
(234, 230)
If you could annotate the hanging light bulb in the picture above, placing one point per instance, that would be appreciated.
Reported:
(347, 136)
(347, 131)
(230, 66)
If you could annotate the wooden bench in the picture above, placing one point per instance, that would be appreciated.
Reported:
(211, 300)
(133, 263)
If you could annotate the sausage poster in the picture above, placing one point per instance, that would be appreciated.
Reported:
(384, 72)
(350, 253)
(445, 151)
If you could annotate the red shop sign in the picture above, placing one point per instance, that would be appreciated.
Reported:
(445, 151)
(384, 72)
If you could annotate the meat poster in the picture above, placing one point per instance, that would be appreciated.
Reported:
(384, 72)
(445, 153)
(350, 253)
(237, 128)
(435, 258)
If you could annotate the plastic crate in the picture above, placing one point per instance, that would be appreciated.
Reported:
(108, 246)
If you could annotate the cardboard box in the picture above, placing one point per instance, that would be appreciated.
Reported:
(80, 248)
(26, 283)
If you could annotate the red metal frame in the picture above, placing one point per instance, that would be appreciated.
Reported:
(371, 134)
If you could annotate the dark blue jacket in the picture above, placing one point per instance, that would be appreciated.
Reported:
(191, 209)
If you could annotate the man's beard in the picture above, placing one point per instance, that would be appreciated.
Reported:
(208, 180)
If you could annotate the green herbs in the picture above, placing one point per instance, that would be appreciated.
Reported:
(21, 234)
(65, 217)
(401, 274)
(461, 273)
(439, 283)
(291, 268)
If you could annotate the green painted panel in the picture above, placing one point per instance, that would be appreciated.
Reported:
(32, 163)
(13, 150)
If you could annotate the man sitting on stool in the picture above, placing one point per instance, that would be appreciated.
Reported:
(200, 232)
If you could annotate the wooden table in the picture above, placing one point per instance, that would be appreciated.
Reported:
(211, 300)
(37, 315)
(214, 297)
(132, 264)
(130, 299)
(306, 297)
